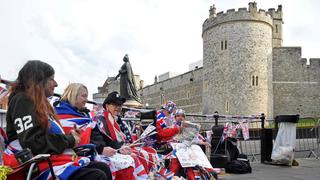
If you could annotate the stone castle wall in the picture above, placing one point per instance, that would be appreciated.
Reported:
(296, 85)
(185, 90)
(237, 49)
(245, 70)
(111, 85)
(108, 87)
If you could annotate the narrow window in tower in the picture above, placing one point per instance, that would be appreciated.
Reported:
(252, 80)
(221, 45)
(227, 106)
(161, 99)
(276, 28)
(256, 80)
(225, 44)
(205, 86)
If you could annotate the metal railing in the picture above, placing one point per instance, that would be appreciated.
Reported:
(307, 136)
(250, 147)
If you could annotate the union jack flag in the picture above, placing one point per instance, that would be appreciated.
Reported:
(163, 172)
(69, 118)
(3, 92)
(161, 120)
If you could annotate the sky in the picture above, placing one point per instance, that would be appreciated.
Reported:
(85, 40)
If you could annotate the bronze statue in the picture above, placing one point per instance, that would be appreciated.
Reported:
(127, 82)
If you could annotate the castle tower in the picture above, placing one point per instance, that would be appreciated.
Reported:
(237, 62)
(277, 26)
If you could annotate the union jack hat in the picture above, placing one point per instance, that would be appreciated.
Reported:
(170, 106)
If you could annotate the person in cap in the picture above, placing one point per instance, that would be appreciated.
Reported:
(179, 116)
(118, 133)
(175, 165)
(113, 106)
(166, 128)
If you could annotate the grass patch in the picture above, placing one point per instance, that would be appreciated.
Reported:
(303, 122)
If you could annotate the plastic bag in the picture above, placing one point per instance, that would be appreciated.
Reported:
(284, 145)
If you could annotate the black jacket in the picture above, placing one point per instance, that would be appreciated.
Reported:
(100, 139)
(22, 124)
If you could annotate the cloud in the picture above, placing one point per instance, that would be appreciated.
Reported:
(85, 41)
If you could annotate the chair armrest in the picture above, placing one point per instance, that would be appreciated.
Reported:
(37, 158)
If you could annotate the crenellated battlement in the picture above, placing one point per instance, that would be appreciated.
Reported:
(275, 14)
(315, 62)
(242, 14)
(304, 61)
(241, 10)
(292, 57)
(289, 66)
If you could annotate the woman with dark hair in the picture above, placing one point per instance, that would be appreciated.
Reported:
(32, 124)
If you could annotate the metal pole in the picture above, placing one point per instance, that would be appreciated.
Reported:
(263, 118)
(216, 118)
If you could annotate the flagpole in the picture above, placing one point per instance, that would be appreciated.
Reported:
(7, 82)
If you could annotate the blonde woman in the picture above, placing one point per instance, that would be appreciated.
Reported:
(72, 112)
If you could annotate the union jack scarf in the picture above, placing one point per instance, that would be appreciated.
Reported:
(125, 129)
(69, 117)
(113, 127)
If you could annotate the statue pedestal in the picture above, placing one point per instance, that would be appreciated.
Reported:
(133, 104)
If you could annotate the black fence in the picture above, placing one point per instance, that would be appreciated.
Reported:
(261, 130)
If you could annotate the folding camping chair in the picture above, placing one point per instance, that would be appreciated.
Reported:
(28, 167)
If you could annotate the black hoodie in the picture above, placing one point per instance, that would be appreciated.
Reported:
(22, 124)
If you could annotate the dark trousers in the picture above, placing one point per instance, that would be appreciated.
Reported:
(94, 170)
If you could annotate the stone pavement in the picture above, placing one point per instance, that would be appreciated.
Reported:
(308, 169)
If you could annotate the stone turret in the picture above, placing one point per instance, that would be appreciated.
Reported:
(212, 11)
(277, 26)
(155, 79)
(252, 7)
(237, 62)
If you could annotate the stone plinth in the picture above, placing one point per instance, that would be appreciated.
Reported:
(133, 104)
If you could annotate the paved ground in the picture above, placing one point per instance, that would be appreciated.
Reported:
(309, 169)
